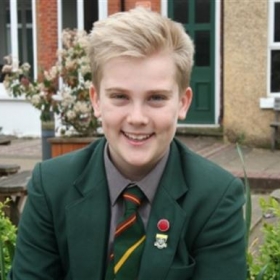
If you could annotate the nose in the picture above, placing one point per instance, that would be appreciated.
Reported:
(137, 115)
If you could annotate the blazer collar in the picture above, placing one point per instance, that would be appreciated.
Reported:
(93, 176)
(156, 262)
(88, 219)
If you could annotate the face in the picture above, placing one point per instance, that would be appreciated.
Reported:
(139, 103)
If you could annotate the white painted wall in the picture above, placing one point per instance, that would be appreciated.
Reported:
(18, 117)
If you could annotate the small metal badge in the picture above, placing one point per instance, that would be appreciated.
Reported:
(161, 241)
(163, 225)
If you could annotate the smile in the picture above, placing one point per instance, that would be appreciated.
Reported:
(137, 137)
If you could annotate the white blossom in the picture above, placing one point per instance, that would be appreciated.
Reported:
(88, 84)
(83, 42)
(36, 99)
(25, 67)
(69, 63)
(57, 97)
(67, 98)
(71, 115)
(47, 75)
(15, 83)
(8, 59)
(82, 107)
(53, 72)
(15, 64)
(85, 69)
(7, 69)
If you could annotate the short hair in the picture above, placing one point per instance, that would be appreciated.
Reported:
(140, 33)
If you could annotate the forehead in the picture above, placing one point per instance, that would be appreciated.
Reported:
(156, 70)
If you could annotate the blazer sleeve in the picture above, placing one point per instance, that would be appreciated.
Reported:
(220, 247)
(36, 255)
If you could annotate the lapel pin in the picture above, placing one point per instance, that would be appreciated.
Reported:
(163, 225)
(161, 241)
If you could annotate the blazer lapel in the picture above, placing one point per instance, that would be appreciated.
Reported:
(88, 221)
(156, 262)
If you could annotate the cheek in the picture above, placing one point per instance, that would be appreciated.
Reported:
(167, 119)
(110, 117)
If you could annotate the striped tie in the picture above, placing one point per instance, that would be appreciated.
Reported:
(129, 239)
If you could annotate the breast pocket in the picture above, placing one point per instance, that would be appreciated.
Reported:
(184, 272)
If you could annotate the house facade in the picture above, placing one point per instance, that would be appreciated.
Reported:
(236, 73)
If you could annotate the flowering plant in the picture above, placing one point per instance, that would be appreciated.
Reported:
(63, 89)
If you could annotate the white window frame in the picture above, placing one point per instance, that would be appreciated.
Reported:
(102, 14)
(14, 43)
(268, 101)
(271, 44)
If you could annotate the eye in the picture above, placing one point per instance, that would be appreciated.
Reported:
(119, 96)
(157, 97)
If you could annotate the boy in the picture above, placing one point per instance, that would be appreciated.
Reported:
(189, 217)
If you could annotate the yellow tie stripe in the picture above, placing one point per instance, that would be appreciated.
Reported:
(124, 262)
(127, 254)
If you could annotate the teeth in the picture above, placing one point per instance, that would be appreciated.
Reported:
(137, 137)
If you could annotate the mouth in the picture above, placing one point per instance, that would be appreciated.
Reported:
(137, 137)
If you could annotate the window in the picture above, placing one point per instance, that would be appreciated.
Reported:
(274, 48)
(71, 16)
(16, 31)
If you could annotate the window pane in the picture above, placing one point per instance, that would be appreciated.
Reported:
(181, 11)
(277, 22)
(4, 33)
(25, 36)
(69, 14)
(275, 71)
(90, 13)
(202, 45)
(202, 11)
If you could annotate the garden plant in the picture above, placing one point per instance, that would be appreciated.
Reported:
(263, 264)
(62, 90)
(7, 241)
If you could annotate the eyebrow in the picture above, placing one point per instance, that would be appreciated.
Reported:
(164, 91)
(153, 91)
(114, 89)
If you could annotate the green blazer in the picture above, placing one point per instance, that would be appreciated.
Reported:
(63, 231)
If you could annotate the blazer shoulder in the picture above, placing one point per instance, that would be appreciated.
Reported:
(64, 170)
(201, 170)
(78, 158)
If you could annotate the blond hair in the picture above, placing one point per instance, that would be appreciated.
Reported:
(140, 33)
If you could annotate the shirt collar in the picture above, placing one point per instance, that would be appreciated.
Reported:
(117, 182)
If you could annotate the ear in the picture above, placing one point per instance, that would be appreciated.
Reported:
(185, 103)
(95, 102)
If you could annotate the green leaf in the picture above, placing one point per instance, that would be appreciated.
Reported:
(11, 248)
(248, 206)
(262, 272)
(278, 276)
(2, 262)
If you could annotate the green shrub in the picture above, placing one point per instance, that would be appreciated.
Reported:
(265, 265)
(7, 242)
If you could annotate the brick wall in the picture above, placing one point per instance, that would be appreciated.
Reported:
(47, 27)
(46, 33)
(115, 5)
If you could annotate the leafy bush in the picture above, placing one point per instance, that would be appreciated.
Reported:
(63, 89)
(7, 242)
(265, 264)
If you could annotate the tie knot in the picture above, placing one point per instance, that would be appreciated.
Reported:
(133, 197)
